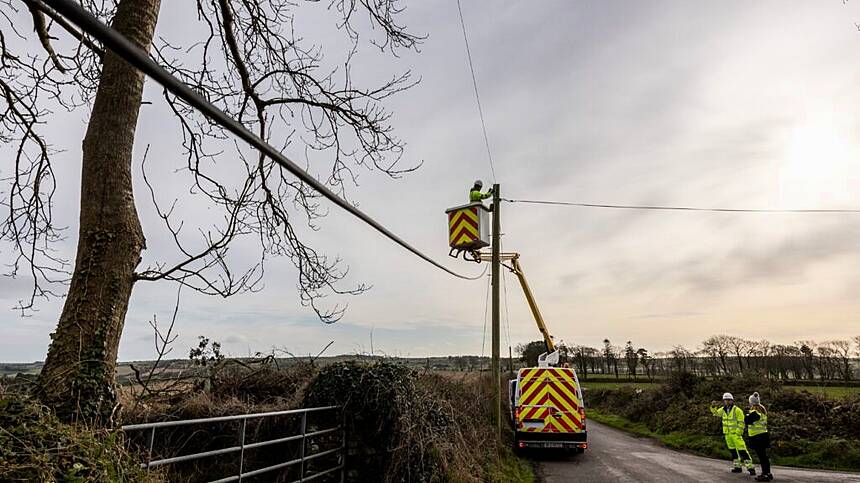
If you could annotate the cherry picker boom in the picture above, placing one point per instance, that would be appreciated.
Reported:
(550, 357)
(546, 404)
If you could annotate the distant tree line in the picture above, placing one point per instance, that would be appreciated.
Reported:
(718, 355)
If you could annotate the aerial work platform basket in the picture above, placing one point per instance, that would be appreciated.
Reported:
(468, 227)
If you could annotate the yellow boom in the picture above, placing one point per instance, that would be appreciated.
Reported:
(521, 276)
(518, 270)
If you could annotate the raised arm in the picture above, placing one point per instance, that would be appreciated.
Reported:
(715, 408)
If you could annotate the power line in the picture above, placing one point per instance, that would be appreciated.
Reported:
(680, 208)
(507, 310)
(477, 96)
(117, 43)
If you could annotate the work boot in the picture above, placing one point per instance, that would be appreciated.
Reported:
(763, 477)
(737, 469)
(752, 471)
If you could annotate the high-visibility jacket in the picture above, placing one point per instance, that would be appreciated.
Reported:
(733, 419)
(476, 195)
(760, 426)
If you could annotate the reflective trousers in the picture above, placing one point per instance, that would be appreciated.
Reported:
(738, 448)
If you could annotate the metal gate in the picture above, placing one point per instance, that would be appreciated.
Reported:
(303, 436)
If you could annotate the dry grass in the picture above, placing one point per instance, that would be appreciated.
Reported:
(404, 424)
(426, 426)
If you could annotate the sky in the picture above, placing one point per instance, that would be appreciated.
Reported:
(715, 104)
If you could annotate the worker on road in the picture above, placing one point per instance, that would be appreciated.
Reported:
(756, 421)
(475, 193)
(733, 430)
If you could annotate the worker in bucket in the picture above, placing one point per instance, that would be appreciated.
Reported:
(475, 193)
(756, 421)
(733, 430)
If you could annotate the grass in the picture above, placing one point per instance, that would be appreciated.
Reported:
(512, 469)
(616, 385)
(829, 391)
(839, 392)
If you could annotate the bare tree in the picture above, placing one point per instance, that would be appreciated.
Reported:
(631, 358)
(717, 347)
(757, 355)
(586, 358)
(647, 361)
(827, 361)
(610, 355)
(780, 360)
(842, 348)
(738, 347)
(252, 64)
(807, 357)
(680, 359)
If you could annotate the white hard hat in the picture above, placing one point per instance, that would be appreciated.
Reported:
(728, 395)
(479, 183)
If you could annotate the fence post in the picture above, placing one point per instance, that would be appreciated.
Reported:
(344, 448)
(302, 457)
(242, 451)
(151, 444)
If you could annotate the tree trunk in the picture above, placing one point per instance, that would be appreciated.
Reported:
(79, 374)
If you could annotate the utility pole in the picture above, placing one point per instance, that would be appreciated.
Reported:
(495, 367)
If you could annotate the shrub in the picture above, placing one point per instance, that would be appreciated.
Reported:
(409, 426)
(36, 446)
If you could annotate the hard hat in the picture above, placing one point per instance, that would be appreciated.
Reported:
(728, 395)
(479, 183)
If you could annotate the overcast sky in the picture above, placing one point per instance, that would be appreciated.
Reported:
(731, 104)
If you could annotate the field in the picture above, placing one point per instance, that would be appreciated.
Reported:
(615, 385)
(829, 391)
(837, 392)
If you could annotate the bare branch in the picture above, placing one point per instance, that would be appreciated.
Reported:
(250, 62)
(42, 32)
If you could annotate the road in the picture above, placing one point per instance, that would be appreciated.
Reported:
(615, 456)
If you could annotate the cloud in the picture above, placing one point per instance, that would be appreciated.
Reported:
(787, 261)
(668, 315)
(675, 103)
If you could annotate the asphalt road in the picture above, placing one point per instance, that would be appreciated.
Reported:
(615, 456)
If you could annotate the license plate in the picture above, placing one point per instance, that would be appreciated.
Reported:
(553, 445)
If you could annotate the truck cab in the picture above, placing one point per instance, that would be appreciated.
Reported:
(547, 409)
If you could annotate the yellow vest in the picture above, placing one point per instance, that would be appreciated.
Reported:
(759, 426)
(733, 420)
(476, 195)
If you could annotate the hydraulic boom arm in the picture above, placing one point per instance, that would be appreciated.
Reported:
(518, 271)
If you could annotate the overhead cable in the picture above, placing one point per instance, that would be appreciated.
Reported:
(681, 208)
(486, 316)
(507, 310)
(113, 40)
(477, 96)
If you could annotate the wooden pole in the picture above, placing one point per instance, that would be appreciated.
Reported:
(495, 366)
